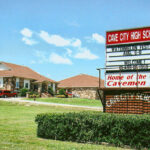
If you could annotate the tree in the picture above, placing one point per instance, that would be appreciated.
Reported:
(62, 92)
(50, 91)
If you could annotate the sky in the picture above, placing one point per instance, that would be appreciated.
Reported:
(64, 38)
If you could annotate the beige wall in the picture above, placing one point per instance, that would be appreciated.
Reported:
(89, 93)
(10, 83)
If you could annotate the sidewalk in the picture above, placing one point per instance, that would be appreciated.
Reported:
(48, 104)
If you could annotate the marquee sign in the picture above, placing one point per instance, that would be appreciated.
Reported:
(127, 76)
(128, 36)
(128, 58)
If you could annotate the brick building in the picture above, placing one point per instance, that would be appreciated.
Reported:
(14, 77)
(83, 86)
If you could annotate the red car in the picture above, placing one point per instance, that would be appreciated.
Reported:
(69, 93)
(7, 93)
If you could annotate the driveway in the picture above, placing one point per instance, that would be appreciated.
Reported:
(20, 100)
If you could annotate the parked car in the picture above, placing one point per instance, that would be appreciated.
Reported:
(7, 93)
(69, 93)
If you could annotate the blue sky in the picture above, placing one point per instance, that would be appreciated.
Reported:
(63, 38)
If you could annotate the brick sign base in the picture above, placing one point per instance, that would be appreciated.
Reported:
(125, 101)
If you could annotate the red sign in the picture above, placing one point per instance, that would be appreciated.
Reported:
(128, 36)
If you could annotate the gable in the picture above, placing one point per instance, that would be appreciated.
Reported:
(3, 67)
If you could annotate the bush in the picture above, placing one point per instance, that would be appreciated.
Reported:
(62, 92)
(23, 91)
(34, 96)
(95, 127)
(50, 91)
(33, 92)
(61, 96)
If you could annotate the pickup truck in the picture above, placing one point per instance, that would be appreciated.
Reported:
(7, 93)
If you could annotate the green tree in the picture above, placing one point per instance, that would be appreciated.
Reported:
(23, 91)
(62, 92)
(50, 91)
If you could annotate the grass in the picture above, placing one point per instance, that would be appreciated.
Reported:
(18, 129)
(71, 101)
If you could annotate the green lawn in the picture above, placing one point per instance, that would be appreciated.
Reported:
(71, 101)
(18, 129)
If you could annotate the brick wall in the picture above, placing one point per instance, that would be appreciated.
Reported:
(127, 103)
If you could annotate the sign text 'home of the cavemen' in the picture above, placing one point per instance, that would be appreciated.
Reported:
(128, 80)
(128, 36)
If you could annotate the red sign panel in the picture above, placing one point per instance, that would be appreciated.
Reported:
(128, 36)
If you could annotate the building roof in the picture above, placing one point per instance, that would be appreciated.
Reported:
(22, 71)
(81, 80)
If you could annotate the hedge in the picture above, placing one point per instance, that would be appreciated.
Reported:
(96, 127)
(60, 96)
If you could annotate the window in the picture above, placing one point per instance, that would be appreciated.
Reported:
(17, 82)
(1, 82)
(50, 85)
(26, 85)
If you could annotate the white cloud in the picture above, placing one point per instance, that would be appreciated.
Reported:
(57, 59)
(98, 38)
(42, 56)
(76, 43)
(54, 39)
(26, 32)
(69, 52)
(52, 58)
(85, 54)
(58, 40)
(28, 41)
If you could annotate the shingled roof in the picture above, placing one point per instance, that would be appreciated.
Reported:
(81, 80)
(23, 72)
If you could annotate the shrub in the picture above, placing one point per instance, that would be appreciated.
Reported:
(33, 92)
(34, 96)
(23, 91)
(60, 96)
(50, 91)
(95, 127)
(62, 92)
